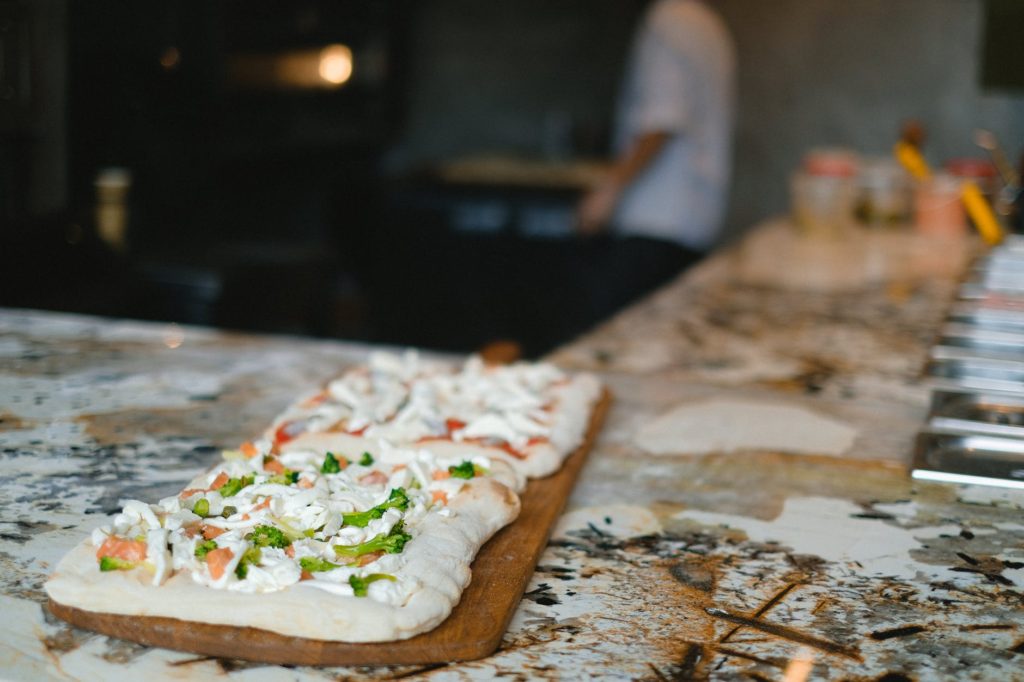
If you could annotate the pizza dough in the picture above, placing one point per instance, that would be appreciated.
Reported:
(529, 414)
(317, 532)
(438, 557)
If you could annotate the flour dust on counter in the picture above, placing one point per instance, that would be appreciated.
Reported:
(730, 426)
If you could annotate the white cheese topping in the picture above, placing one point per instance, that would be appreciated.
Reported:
(281, 526)
(405, 400)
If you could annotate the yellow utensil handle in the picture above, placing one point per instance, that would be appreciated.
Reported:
(981, 213)
(911, 159)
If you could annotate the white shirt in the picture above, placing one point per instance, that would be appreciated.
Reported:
(680, 80)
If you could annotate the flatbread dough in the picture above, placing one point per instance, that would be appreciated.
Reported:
(432, 568)
(384, 411)
(438, 557)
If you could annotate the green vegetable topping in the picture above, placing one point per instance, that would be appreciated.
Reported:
(366, 460)
(392, 543)
(332, 464)
(204, 548)
(359, 585)
(233, 485)
(252, 556)
(465, 470)
(315, 565)
(287, 478)
(397, 500)
(201, 508)
(110, 563)
(229, 511)
(268, 536)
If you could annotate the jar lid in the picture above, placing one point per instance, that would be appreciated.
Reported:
(831, 161)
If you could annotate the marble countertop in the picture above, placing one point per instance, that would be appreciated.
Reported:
(747, 509)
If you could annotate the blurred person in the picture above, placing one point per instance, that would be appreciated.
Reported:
(660, 207)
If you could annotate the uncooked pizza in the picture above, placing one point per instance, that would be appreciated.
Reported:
(354, 518)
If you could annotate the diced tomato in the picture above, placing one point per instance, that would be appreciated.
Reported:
(359, 431)
(315, 400)
(262, 505)
(373, 478)
(454, 425)
(120, 548)
(210, 532)
(274, 465)
(441, 474)
(191, 530)
(439, 496)
(368, 558)
(504, 446)
(305, 575)
(218, 560)
(305, 483)
(399, 467)
(248, 449)
(286, 432)
(188, 492)
(219, 482)
(536, 440)
(290, 551)
(512, 451)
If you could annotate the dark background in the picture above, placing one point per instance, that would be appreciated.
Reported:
(321, 211)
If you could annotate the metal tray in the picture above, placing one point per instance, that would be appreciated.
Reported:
(997, 414)
(947, 370)
(973, 290)
(984, 343)
(1001, 282)
(952, 457)
(985, 318)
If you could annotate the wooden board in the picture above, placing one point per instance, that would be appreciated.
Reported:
(474, 629)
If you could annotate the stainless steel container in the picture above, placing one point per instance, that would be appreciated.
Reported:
(951, 372)
(978, 315)
(996, 414)
(983, 342)
(952, 457)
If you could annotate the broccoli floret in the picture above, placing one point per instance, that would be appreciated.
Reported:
(204, 548)
(332, 464)
(398, 499)
(233, 485)
(315, 565)
(201, 508)
(288, 477)
(360, 584)
(392, 543)
(268, 536)
(465, 470)
(250, 557)
(366, 460)
(112, 563)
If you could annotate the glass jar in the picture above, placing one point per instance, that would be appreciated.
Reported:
(884, 194)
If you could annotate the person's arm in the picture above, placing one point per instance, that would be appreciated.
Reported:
(596, 207)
